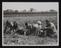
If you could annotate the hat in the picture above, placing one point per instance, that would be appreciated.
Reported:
(39, 22)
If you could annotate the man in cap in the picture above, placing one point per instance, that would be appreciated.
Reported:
(50, 28)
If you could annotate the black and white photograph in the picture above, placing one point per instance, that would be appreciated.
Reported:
(30, 23)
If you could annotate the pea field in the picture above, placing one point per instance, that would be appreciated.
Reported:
(29, 40)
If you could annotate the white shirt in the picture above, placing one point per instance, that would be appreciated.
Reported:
(37, 26)
(40, 26)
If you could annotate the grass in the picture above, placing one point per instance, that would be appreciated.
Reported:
(22, 20)
(30, 39)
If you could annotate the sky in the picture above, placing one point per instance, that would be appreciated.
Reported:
(39, 6)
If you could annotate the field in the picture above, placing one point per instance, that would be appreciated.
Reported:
(22, 20)
(29, 40)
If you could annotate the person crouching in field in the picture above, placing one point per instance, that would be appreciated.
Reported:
(50, 29)
(37, 28)
(40, 30)
(28, 27)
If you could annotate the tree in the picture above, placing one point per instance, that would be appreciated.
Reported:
(16, 11)
(31, 9)
(8, 11)
(24, 10)
(53, 10)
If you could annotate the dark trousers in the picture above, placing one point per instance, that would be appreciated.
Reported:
(49, 32)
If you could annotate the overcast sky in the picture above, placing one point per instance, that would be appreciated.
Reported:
(39, 6)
